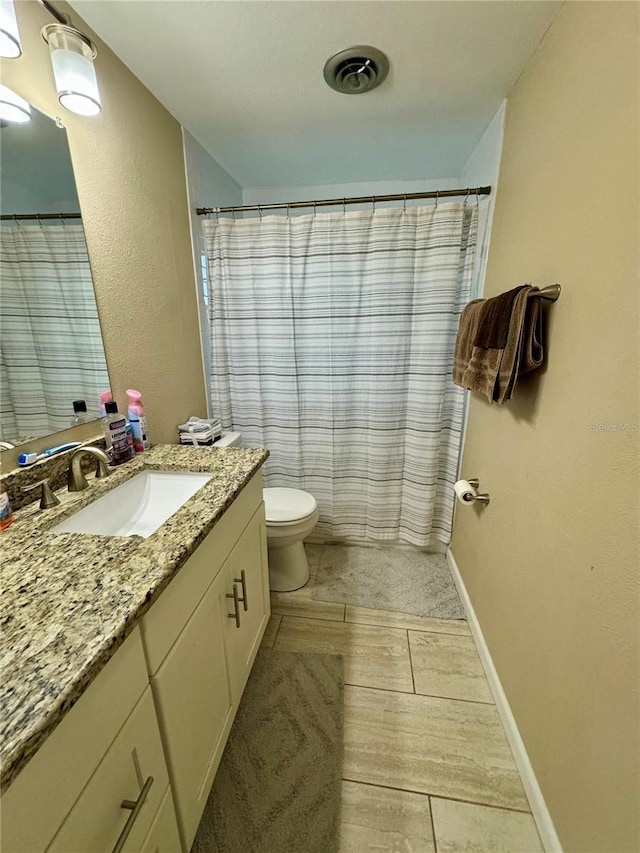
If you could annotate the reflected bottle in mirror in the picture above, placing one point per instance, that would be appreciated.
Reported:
(79, 413)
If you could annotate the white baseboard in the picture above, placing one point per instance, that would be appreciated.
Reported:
(539, 810)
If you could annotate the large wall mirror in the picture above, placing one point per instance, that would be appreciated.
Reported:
(50, 341)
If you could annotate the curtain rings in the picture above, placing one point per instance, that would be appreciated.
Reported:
(437, 197)
(288, 211)
(16, 220)
(217, 215)
(38, 220)
(477, 197)
(233, 213)
(259, 212)
(404, 203)
(344, 206)
(314, 210)
(61, 215)
(466, 198)
(373, 204)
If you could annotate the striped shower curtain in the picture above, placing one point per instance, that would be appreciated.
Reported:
(332, 345)
(51, 350)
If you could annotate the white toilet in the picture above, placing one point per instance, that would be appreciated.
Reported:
(291, 515)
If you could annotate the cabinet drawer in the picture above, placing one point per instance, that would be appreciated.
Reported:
(98, 819)
(51, 782)
(165, 620)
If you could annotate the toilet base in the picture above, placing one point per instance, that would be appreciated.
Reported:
(288, 567)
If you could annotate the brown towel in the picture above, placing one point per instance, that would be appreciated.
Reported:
(512, 352)
(467, 330)
(493, 330)
(532, 354)
(498, 340)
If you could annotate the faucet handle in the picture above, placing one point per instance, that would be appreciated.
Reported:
(47, 498)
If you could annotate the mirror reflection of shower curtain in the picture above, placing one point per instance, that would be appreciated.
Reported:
(333, 339)
(50, 341)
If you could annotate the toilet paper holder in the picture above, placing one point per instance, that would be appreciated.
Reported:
(475, 482)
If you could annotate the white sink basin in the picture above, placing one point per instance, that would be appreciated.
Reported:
(137, 507)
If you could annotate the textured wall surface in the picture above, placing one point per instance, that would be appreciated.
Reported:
(552, 564)
(129, 169)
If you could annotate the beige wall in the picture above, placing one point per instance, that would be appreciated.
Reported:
(129, 168)
(552, 564)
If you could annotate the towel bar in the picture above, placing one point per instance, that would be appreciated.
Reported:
(550, 293)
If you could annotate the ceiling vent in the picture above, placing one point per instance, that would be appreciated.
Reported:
(356, 70)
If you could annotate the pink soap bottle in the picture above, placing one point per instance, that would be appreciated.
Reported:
(138, 421)
(105, 397)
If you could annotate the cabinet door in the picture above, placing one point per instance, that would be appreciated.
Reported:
(248, 572)
(163, 835)
(195, 708)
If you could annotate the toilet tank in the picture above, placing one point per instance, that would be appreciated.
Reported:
(229, 439)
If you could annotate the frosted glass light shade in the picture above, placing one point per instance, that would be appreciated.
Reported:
(13, 108)
(10, 46)
(72, 56)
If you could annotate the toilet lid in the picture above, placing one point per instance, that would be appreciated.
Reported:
(287, 504)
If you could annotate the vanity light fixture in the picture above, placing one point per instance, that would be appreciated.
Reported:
(72, 55)
(13, 108)
(10, 45)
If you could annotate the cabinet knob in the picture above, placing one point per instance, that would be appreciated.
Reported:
(135, 806)
(236, 606)
(242, 579)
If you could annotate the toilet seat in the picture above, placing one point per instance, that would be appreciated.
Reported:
(285, 506)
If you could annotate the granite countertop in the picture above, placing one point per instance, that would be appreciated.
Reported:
(70, 599)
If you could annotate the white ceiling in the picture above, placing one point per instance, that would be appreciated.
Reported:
(245, 78)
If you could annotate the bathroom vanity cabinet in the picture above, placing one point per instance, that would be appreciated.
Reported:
(130, 766)
(225, 593)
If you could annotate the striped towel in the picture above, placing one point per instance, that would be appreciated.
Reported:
(199, 431)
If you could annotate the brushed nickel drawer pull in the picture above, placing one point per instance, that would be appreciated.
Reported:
(135, 806)
(242, 579)
(236, 606)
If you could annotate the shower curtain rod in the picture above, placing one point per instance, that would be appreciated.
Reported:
(333, 202)
(41, 216)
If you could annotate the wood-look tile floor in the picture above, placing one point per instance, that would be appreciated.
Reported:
(427, 766)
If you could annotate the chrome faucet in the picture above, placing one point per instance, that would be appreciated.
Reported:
(77, 481)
